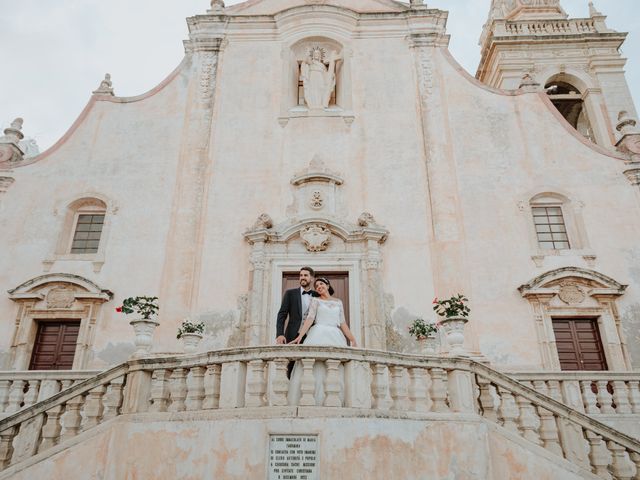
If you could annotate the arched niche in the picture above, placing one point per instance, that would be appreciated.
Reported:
(335, 57)
(55, 297)
(573, 292)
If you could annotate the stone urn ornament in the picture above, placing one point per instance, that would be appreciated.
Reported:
(143, 328)
(190, 333)
(426, 334)
(455, 314)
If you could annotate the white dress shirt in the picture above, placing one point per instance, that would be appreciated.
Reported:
(306, 301)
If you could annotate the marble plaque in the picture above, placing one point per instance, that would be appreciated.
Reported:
(293, 457)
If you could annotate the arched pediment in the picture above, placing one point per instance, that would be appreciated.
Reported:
(312, 230)
(79, 286)
(551, 282)
(272, 7)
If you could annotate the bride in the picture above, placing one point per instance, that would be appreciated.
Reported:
(326, 325)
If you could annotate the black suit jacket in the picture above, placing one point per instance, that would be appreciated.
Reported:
(291, 307)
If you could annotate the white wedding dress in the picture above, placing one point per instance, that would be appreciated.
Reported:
(329, 315)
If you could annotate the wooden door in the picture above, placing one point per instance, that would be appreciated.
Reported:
(579, 345)
(339, 281)
(55, 345)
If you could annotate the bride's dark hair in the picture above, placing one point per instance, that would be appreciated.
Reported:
(327, 283)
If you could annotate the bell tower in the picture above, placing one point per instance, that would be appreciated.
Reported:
(577, 61)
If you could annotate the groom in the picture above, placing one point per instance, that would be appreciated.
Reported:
(295, 304)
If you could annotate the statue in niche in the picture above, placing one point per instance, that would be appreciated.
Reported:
(318, 78)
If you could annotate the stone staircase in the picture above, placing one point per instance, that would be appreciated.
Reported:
(250, 385)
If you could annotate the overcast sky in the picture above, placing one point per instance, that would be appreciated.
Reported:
(54, 53)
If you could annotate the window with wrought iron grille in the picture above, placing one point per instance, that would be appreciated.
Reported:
(86, 238)
(551, 230)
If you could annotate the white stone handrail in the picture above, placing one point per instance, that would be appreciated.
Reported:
(589, 392)
(21, 389)
(382, 383)
(550, 27)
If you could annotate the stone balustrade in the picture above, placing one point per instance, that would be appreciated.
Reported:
(24, 388)
(549, 27)
(592, 393)
(252, 382)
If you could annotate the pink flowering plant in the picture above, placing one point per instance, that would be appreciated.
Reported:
(421, 329)
(452, 307)
(144, 306)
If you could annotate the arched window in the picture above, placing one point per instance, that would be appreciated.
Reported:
(569, 101)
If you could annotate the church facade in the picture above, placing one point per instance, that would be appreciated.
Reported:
(341, 135)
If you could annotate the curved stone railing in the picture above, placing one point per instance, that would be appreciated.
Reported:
(379, 382)
(21, 389)
(550, 27)
(607, 393)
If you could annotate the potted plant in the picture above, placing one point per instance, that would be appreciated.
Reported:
(426, 334)
(191, 334)
(455, 314)
(146, 308)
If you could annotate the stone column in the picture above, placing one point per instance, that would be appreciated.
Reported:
(375, 335)
(181, 270)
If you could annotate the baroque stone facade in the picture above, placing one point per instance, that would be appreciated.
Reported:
(343, 136)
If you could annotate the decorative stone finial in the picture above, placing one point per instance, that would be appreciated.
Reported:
(264, 221)
(11, 152)
(217, 6)
(626, 124)
(106, 86)
(416, 3)
(593, 11)
(529, 83)
(14, 134)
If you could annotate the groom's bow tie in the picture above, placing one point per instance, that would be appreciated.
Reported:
(306, 293)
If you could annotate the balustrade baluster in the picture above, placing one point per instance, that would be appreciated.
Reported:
(605, 399)
(621, 466)
(51, 429)
(279, 384)
(418, 390)
(599, 455)
(621, 397)
(195, 388)
(5, 385)
(528, 420)
(6, 445)
(549, 431)
(159, 390)
(379, 386)
(554, 390)
(635, 458)
(31, 396)
(212, 387)
(308, 383)
(177, 390)
(71, 419)
(256, 386)
(508, 412)
(398, 389)
(332, 384)
(16, 396)
(634, 395)
(588, 397)
(486, 399)
(65, 384)
(93, 407)
(439, 389)
(113, 399)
